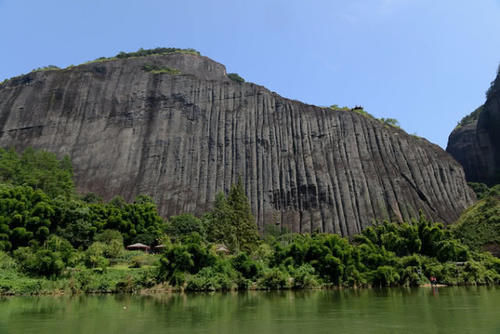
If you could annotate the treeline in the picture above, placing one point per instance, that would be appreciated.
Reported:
(387, 254)
(54, 239)
(156, 51)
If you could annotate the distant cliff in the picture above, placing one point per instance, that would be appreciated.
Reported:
(176, 127)
(475, 142)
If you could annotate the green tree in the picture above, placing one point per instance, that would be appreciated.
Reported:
(231, 221)
(185, 224)
(39, 170)
(219, 222)
(242, 219)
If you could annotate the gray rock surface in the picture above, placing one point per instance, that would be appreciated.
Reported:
(476, 145)
(182, 138)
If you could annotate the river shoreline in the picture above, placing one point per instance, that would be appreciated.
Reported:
(164, 289)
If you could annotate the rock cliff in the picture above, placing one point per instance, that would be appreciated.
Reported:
(475, 142)
(183, 137)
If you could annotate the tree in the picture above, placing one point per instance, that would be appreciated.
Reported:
(231, 221)
(390, 121)
(219, 223)
(39, 170)
(185, 224)
(242, 219)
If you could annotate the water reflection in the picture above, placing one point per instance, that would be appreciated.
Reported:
(423, 310)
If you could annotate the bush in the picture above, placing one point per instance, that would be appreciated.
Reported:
(185, 224)
(274, 279)
(6, 262)
(385, 276)
(304, 277)
(42, 262)
(235, 77)
(480, 189)
(391, 122)
(210, 279)
(138, 261)
(94, 256)
(245, 266)
(191, 256)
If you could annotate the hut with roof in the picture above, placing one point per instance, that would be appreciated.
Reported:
(222, 249)
(139, 246)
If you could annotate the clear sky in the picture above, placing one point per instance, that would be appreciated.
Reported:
(426, 63)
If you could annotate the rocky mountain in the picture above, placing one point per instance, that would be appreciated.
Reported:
(176, 127)
(475, 142)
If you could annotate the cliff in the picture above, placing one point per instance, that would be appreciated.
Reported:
(185, 134)
(475, 142)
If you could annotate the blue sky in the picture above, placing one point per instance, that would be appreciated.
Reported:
(426, 63)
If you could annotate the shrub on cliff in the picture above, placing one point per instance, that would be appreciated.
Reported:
(235, 77)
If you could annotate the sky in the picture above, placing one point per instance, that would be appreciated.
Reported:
(426, 63)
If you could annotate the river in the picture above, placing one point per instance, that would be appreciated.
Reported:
(422, 310)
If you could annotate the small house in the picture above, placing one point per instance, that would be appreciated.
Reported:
(139, 246)
(222, 249)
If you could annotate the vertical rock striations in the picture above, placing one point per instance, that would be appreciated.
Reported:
(182, 138)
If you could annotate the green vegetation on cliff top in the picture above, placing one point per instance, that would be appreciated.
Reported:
(473, 116)
(360, 110)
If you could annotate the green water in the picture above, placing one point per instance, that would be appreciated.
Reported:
(424, 310)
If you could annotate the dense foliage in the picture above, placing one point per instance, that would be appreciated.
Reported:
(39, 170)
(479, 226)
(387, 254)
(480, 189)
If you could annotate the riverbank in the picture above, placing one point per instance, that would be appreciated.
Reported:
(140, 281)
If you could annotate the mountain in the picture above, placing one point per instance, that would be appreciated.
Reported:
(475, 142)
(173, 125)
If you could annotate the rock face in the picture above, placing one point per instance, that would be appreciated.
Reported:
(476, 144)
(182, 138)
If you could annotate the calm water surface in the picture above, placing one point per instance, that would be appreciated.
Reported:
(424, 310)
